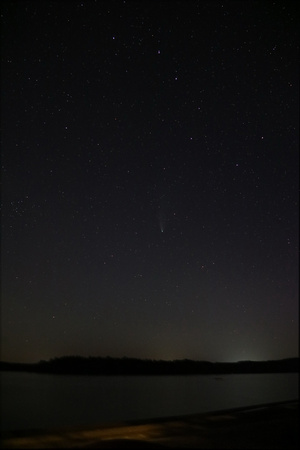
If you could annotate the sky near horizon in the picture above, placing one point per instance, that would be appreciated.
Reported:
(149, 180)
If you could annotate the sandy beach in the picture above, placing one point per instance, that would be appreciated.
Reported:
(271, 426)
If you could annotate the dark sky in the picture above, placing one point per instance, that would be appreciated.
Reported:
(149, 179)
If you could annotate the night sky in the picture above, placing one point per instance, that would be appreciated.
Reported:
(149, 179)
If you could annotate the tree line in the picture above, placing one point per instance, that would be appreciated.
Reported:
(79, 365)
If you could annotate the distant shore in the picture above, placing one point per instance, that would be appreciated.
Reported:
(263, 426)
(77, 365)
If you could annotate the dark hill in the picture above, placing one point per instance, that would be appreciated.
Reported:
(78, 365)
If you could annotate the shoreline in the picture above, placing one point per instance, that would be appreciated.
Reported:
(107, 366)
(272, 425)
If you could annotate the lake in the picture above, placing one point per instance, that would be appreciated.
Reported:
(43, 401)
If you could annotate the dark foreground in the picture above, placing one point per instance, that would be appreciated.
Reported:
(273, 426)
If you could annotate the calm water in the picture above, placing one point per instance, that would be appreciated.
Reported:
(36, 401)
